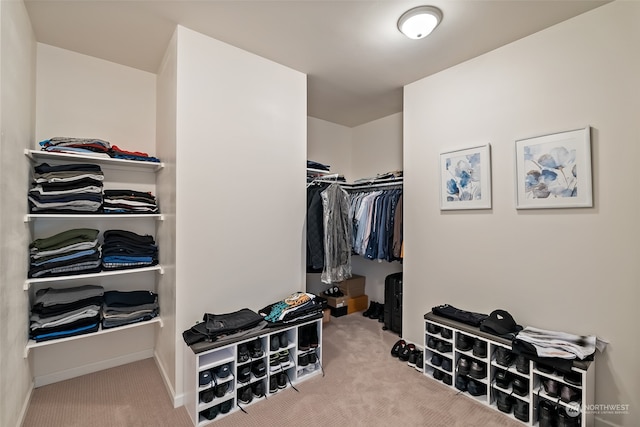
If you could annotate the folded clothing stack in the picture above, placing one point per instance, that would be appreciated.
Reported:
(124, 308)
(85, 146)
(66, 188)
(118, 153)
(129, 201)
(123, 249)
(74, 251)
(60, 313)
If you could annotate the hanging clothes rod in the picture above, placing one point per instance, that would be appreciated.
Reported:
(375, 184)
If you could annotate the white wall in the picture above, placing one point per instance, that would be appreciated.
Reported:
(376, 147)
(241, 143)
(17, 79)
(330, 144)
(585, 71)
(82, 96)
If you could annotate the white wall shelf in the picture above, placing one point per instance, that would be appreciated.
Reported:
(29, 282)
(38, 155)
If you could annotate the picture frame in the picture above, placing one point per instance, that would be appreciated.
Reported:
(465, 178)
(554, 171)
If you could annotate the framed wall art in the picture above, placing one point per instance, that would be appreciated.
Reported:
(465, 178)
(554, 171)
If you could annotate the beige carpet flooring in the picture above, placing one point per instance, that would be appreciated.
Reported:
(363, 386)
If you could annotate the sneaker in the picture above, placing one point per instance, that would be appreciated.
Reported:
(478, 370)
(223, 371)
(243, 353)
(206, 396)
(313, 358)
(480, 348)
(463, 366)
(283, 340)
(397, 347)
(438, 374)
(521, 410)
(274, 343)
(476, 388)
(546, 414)
(303, 360)
(573, 378)
(258, 389)
(569, 394)
(461, 383)
(283, 357)
(412, 358)
(431, 342)
(446, 333)
(244, 395)
(444, 347)
(551, 387)
(446, 364)
(463, 342)
(436, 360)
(210, 413)
(226, 406)
(433, 329)
(282, 380)
(221, 389)
(447, 379)
(504, 402)
(259, 369)
(256, 349)
(567, 420)
(274, 362)
(504, 357)
(244, 374)
(520, 386)
(522, 364)
(273, 384)
(420, 361)
(406, 351)
(502, 378)
(205, 378)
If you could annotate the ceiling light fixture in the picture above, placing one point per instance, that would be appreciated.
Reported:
(419, 22)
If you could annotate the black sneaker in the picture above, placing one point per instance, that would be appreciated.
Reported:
(282, 380)
(522, 364)
(210, 413)
(567, 420)
(521, 410)
(205, 378)
(447, 379)
(569, 394)
(431, 342)
(369, 310)
(433, 329)
(446, 364)
(223, 371)
(256, 349)
(438, 374)
(551, 387)
(221, 389)
(406, 351)
(206, 396)
(258, 389)
(259, 369)
(504, 402)
(273, 384)
(446, 333)
(504, 357)
(480, 348)
(502, 378)
(312, 358)
(463, 366)
(444, 347)
(303, 360)
(274, 343)
(420, 361)
(476, 388)
(274, 362)
(283, 340)
(226, 406)
(397, 347)
(412, 358)
(436, 360)
(461, 383)
(244, 374)
(478, 370)
(463, 342)
(243, 353)
(244, 395)
(573, 378)
(520, 386)
(283, 357)
(546, 414)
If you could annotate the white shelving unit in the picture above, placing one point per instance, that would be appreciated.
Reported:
(204, 411)
(109, 165)
(434, 326)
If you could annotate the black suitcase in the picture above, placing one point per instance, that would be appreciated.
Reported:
(393, 303)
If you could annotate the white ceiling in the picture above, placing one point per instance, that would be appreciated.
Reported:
(356, 59)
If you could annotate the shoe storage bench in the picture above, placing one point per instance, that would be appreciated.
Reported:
(481, 366)
(221, 378)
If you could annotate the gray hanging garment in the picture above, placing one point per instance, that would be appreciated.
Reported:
(337, 234)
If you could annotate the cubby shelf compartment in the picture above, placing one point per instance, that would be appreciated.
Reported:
(535, 392)
(32, 344)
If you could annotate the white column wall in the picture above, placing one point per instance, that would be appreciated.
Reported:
(585, 71)
(17, 79)
(240, 168)
(330, 144)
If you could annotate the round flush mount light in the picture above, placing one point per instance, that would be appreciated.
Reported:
(419, 22)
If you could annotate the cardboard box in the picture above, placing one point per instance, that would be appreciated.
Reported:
(353, 287)
(337, 312)
(326, 315)
(359, 303)
(336, 302)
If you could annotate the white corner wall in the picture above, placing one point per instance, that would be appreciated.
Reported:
(17, 79)
(330, 144)
(240, 167)
(573, 270)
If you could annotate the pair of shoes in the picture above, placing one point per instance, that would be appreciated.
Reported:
(308, 337)
(397, 348)
(375, 311)
(334, 292)
(406, 352)
(433, 329)
(278, 341)
(278, 360)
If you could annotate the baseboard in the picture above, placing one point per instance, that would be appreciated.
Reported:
(90, 368)
(25, 405)
(178, 400)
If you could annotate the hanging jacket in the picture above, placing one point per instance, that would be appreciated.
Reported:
(337, 234)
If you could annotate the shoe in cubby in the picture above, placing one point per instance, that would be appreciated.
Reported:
(521, 410)
(222, 372)
(274, 343)
(461, 382)
(446, 364)
(211, 413)
(283, 340)
(255, 348)
(274, 362)
(476, 388)
(504, 356)
(503, 378)
(479, 348)
(504, 402)
(546, 414)
(433, 328)
(436, 359)
(273, 384)
(281, 380)
(244, 374)
(444, 347)
(478, 370)
(225, 406)
(463, 342)
(522, 364)
(446, 333)
(245, 395)
(222, 389)
(447, 379)
(303, 339)
(258, 389)
(569, 394)
(205, 378)
(520, 386)
(463, 365)
(243, 353)
(258, 369)
(207, 395)
(283, 357)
